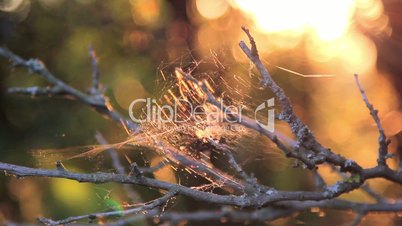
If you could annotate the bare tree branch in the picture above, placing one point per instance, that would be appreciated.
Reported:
(37, 91)
(97, 101)
(265, 214)
(225, 215)
(257, 200)
(298, 128)
(319, 181)
(382, 139)
(95, 71)
(305, 138)
(358, 219)
(121, 213)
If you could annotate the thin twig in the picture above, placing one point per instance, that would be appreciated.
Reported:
(95, 71)
(153, 169)
(120, 213)
(239, 170)
(132, 194)
(382, 139)
(319, 181)
(359, 217)
(37, 91)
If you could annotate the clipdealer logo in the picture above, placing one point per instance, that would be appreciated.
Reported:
(161, 114)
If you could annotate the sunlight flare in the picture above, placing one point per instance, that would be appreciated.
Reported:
(327, 18)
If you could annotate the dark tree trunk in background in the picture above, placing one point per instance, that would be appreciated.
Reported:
(390, 48)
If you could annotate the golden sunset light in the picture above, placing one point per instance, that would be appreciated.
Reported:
(201, 112)
(328, 19)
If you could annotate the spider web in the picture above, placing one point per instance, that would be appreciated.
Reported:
(233, 83)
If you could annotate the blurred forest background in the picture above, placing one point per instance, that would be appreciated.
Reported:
(138, 42)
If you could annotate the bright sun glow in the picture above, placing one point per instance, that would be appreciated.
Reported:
(329, 19)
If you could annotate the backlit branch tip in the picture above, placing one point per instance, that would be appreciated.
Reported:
(95, 71)
(254, 50)
(382, 139)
